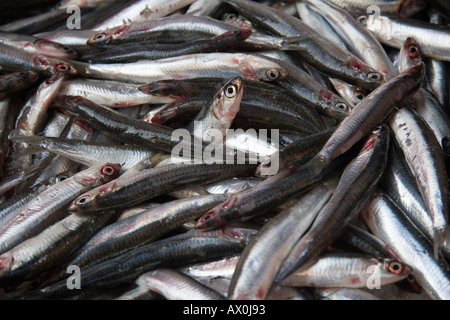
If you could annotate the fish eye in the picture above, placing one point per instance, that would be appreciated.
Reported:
(377, 129)
(272, 74)
(82, 200)
(62, 67)
(362, 20)
(230, 17)
(413, 51)
(230, 91)
(208, 216)
(359, 96)
(374, 76)
(108, 170)
(62, 178)
(341, 106)
(100, 36)
(395, 267)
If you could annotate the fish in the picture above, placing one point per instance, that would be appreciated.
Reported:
(338, 269)
(390, 224)
(363, 171)
(391, 31)
(49, 206)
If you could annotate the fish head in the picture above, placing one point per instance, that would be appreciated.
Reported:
(254, 67)
(216, 217)
(370, 78)
(54, 49)
(108, 35)
(110, 171)
(409, 54)
(339, 108)
(54, 65)
(228, 101)
(392, 270)
(84, 203)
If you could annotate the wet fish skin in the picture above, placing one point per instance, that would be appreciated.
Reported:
(357, 38)
(355, 238)
(119, 126)
(417, 141)
(220, 112)
(132, 52)
(262, 257)
(358, 181)
(17, 82)
(174, 251)
(388, 223)
(141, 10)
(433, 40)
(425, 102)
(142, 186)
(373, 110)
(87, 152)
(45, 250)
(111, 94)
(214, 64)
(36, 45)
(340, 269)
(49, 206)
(174, 285)
(314, 48)
(142, 228)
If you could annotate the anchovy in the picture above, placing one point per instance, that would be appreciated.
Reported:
(390, 224)
(357, 182)
(175, 251)
(49, 206)
(142, 228)
(425, 159)
(173, 285)
(338, 269)
(262, 258)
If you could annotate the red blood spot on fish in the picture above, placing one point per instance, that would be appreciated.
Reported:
(235, 60)
(84, 125)
(228, 203)
(356, 64)
(393, 254)
(260, 293)
(89, 179)
(354, 280)
(42, 61)
(179, 76)
(326, 94)
(156, 119)
(105, 187)
(246, 31)
(369, 145)
(121, 30)
(6, 262)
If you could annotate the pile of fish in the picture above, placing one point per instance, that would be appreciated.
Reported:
(224, 149)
